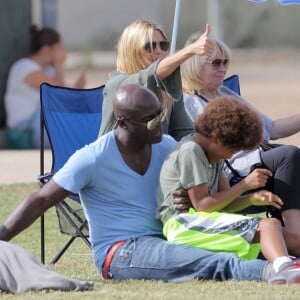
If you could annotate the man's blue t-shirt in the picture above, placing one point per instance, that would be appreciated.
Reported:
(118, 202)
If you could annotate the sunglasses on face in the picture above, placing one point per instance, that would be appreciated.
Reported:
(216, 63)
(151, 46)
(152, 123)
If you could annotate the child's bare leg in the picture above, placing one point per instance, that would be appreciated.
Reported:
(292, 220)
(273, 247)
(292, 241)
(271, 239)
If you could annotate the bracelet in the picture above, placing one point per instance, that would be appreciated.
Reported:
(4, 234)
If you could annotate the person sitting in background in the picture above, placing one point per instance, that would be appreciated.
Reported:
(202, 78)
(143, 58)
(196, 164)
(45, 63)
(126, 238)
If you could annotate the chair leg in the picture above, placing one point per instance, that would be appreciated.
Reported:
(42, 239)
(62, 251)
(65, 209)
(66, 246)
(70, 241)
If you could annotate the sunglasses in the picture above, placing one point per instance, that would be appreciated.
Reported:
(151, 46)
(216, 63)
(152, 123)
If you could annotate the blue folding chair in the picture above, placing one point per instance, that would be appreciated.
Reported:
(72, 120)
(233, 83)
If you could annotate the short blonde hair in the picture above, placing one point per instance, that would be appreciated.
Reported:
(129, 48)
(191, 68)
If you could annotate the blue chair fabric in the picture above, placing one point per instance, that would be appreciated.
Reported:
(233, 83)
(72, 120)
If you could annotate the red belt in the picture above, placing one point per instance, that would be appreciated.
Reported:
(109, 257)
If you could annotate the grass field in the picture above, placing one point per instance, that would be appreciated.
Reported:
(77, 262)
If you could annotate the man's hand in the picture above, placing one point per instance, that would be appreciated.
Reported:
(181, 200)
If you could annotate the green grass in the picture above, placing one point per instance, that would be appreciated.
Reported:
(78, 263)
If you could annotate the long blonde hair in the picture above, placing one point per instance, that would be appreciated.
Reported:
(130, 45)
(191, 68)
(130, 58)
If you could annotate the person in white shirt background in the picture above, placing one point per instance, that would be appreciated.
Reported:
(45, 63)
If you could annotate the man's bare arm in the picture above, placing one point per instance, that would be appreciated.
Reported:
(31, 208)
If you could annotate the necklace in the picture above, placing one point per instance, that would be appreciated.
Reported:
(205, 98)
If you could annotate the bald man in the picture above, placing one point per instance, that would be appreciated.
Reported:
(117, 179)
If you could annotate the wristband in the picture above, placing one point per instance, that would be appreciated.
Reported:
(4, 234)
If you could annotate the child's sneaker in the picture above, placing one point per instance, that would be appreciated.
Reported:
(290, 274)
